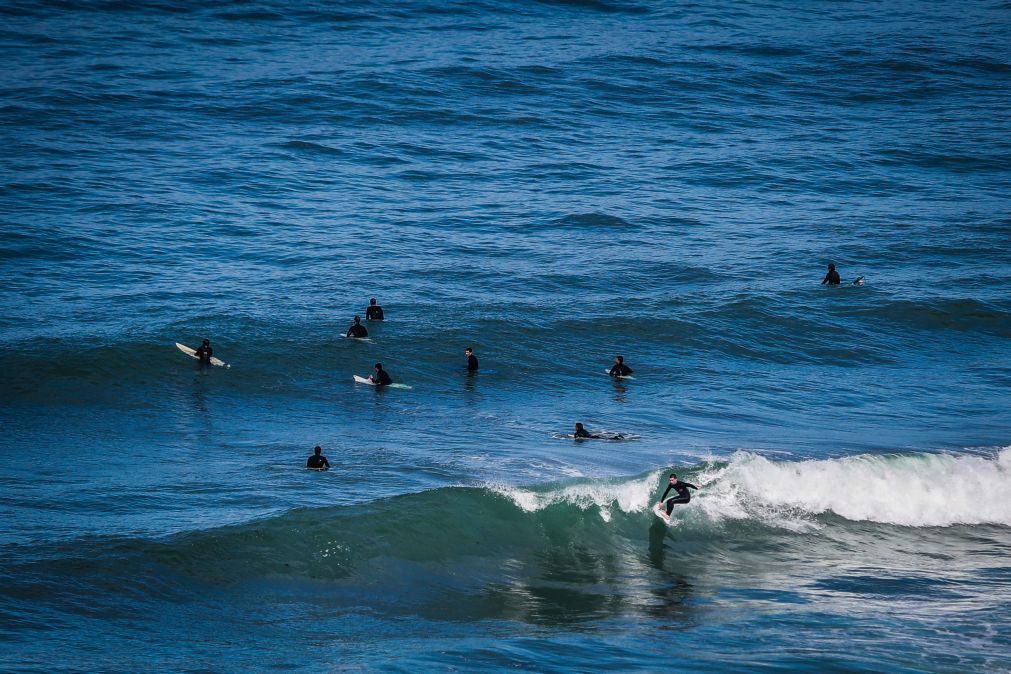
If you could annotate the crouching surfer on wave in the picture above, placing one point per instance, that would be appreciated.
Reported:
(683, 495)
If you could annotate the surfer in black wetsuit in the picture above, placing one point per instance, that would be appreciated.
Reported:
(581, 432)
(357, 329)
(832, 277)
(374, 312)
(380, 378)
(205, 352)
(471, 360)
(619, 369)
(317, 461)
(684, 496)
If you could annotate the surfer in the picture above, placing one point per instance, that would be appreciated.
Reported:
(580, 433)
(357, 330)
(374, 312)
(204, 353)
(832, 277)
(317, 461)
(471, 360)
(619, 369)
(381, 377)
(683, 495)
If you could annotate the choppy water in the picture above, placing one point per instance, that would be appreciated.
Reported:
(551, 183)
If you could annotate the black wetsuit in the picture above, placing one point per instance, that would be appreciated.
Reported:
(381, 378)
(204, 353)
(374, 313)
(684, 496)
(317, 462)
(358, 330)
(582, 433)
(832, 278)
(472, 363)
(620, 370)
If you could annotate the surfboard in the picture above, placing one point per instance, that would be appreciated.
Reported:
(661, 512)
(366, 380)
(607, 371)
(357, 339)
(193, 354)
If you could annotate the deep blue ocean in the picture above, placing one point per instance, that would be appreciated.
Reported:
(552, 183)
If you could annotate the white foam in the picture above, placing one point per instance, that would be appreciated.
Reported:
(629, 496)
(921, 490)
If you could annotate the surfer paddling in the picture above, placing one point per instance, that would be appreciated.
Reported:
(317, 461)
(683, 495)
(381, 377)
(374, 312)
(619, 369)
(580, 433)
(357, 330)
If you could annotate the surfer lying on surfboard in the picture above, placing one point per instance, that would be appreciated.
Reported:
(683, 495)
(579, 433)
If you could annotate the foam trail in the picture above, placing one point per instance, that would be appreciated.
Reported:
(921, 490)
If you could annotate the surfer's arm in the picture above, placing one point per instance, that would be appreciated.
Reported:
(689, 484)
(669, 487)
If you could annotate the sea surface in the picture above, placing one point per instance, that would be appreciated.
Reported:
(552, 183)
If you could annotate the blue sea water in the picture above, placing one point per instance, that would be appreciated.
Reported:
(552, 183)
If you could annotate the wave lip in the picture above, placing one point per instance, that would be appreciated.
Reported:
(913, 490)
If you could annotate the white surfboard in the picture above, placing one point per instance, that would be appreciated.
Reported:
(661, 512)
(607, 371)
(193, 354)
(357, 339)
(366, 380)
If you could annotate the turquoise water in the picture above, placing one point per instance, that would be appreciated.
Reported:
(552, 184)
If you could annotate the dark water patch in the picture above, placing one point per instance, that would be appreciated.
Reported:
(961, 315)
(309, 146)
(592, 220)
(914, 587)
(600, 6)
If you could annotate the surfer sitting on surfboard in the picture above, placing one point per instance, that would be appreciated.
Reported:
(357, 329)
(684, 496)
(380, 378)
(832, 277)
(471, 359)
(204, 353)
(317, 461)
(619, 369)
(374, 312)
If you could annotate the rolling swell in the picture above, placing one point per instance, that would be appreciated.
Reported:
(750, 495)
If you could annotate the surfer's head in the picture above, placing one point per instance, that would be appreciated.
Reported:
(207, 342)
(579, 426)
(468, 351)
(317, 449)
(379, 366)
(372, 301)
(619, 359)
(831, 267)
(673, 477)
(358, 319)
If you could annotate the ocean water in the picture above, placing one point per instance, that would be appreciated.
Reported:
(551, 183)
